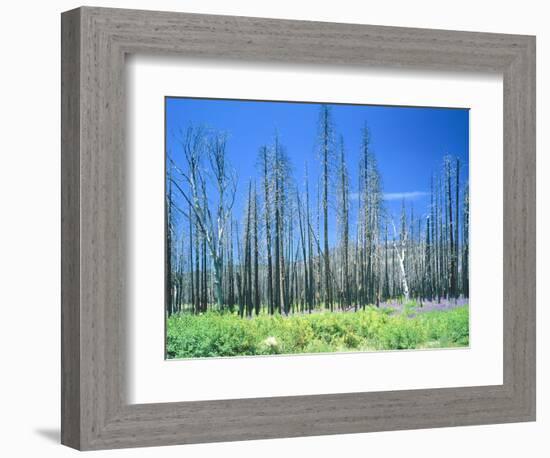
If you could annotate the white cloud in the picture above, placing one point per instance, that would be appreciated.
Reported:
(404, 195)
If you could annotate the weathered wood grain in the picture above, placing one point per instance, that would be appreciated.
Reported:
(70, 229)
(95, 41)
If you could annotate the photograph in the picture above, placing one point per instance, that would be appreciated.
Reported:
(306, 227)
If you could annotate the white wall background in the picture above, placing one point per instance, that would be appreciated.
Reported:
(30, 246)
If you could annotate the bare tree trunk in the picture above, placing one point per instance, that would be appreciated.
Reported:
(248, 257)
(303, 244)
(282, 269)
(386, 288)
(230, 270)
(452, 257)
(192, 282)
(428, 263)
(318, 246)
(240, 275)
(204, 301)
(277, 282)
(264, 159)
(404, 283)
(197, 267)
(465, 245)
(326, 140)
(256, 273)
(401, 251)
(168, 247)
(457, 186)
(310, 300)
(344, 210)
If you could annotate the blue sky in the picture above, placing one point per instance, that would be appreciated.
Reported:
(408, 142)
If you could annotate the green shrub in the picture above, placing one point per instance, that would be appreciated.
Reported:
(227, 334)
(450, 328)
(402, 333)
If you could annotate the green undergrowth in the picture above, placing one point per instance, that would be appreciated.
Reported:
(224, 334)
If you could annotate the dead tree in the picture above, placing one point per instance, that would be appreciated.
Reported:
(343, 213)
(400, 247)
(213, 224)
(265, 165)
(326, 151)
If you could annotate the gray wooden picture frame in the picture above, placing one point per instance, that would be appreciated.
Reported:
(95, 413)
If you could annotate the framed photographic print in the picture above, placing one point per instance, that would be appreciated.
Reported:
(286, 228)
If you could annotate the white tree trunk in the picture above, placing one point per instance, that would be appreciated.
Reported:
(401, 257)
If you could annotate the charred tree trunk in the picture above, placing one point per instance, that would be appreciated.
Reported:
(267, 215)
(256, 256)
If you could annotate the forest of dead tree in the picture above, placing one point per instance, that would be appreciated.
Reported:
(274, 254)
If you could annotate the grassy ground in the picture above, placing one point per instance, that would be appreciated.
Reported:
(215, 334)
